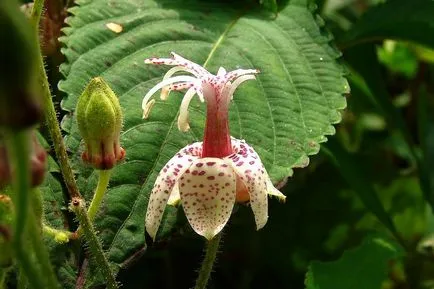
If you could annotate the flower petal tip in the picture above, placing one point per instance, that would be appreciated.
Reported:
(164, 93)
(147, 108)
(260, 225)
(151, 232)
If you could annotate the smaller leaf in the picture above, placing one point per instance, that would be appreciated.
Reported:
(399, 20)
(269, 5)
(354, 173)
(360, 268)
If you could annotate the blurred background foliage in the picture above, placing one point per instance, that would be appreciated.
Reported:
(374, 177)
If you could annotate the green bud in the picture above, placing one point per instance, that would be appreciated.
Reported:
(99, 118)
(6, 216)
(19, 107)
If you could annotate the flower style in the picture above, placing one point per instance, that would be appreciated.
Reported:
(207, 177)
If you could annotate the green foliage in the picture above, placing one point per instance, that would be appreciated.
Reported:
(399, 19)
(364, 267)
(284, 115)
(375, 178)
(354, 176)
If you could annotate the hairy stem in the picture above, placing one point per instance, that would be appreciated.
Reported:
(60, 236)
(208, 262)
(103, 181)
(41, 253)
(22, 281)
(35, 15)
(18, 147)
(3, 272)
(79, 208)
(50, 112)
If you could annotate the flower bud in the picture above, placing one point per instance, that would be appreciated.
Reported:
(19, 107)
(99, 118)
(38, 163)
(6, 216)
(5, 170)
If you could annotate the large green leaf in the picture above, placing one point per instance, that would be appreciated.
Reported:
(365, 267)
(399, 19)
(285, 114)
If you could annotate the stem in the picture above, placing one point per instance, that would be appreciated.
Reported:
(79, 208)
(35, 15)
(22, 281)
(42, 255)
(60, 236)
(50, 112)
(208, 262)
(3, 273)
(19, 154)
(103, 181)
(18, 147)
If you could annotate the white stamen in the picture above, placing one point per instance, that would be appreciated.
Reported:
(147, 108)
(200, 94)
(163, 84)
(183, 110)
(237, 82)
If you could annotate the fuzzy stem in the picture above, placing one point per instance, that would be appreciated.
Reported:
(79, 208)
(22, 280)
(18, 147)
(41, 254)
(3, 272)
(208, 262)
(35, 15)
(103, 181)
(50, 112)
(60, 236)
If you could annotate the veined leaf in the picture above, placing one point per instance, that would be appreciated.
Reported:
(360, 268)
(285, 114)
(392, 20)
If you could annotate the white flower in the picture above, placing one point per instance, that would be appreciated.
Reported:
(207, 188)
(208, 177)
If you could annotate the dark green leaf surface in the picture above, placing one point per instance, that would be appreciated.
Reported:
(354, 172)
(285, 114)
(400, 20)
(365, 267)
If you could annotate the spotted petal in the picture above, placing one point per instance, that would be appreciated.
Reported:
(207, 191)
(251, 171)
(165, 183)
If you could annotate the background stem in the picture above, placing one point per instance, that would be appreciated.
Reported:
(18, 147)
(208, 262)
(3, 272)
(50, 112)
(41, 253)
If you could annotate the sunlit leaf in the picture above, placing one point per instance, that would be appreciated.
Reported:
(285, 114)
